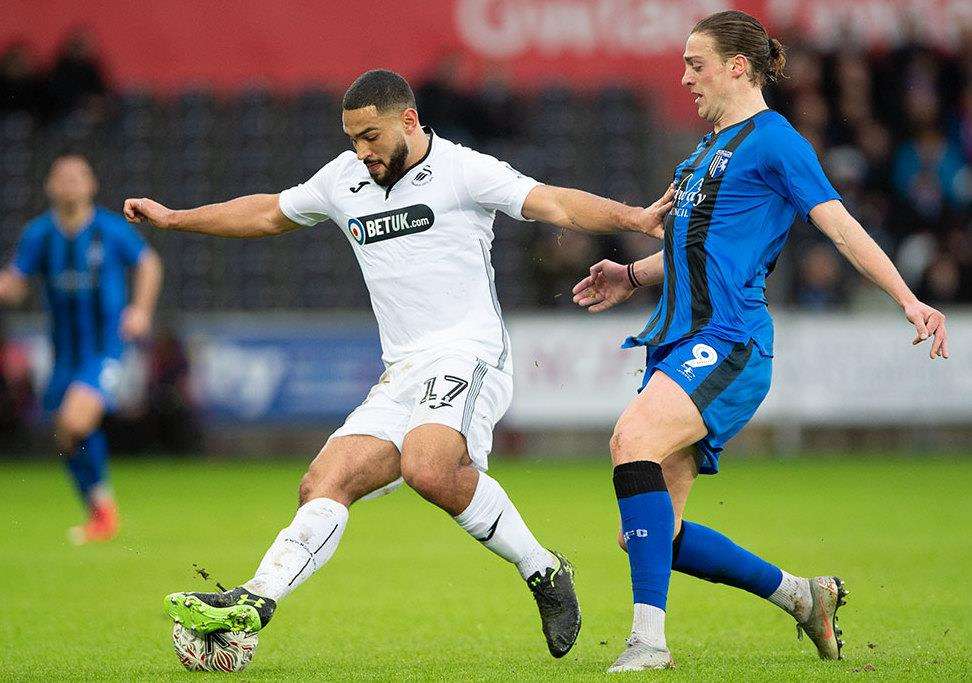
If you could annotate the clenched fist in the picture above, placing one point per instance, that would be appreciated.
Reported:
(149, 211)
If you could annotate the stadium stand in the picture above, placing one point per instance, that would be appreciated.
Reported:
(905, 170)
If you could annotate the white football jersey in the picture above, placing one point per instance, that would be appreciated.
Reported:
(423, 245)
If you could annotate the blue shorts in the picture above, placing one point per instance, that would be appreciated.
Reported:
(101, 374)
(726, 380)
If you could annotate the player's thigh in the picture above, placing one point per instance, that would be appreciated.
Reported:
(81, 411)
(661, 420)
(459, 402)
(350, 467)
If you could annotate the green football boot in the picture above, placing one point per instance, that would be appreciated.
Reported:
(234, 610)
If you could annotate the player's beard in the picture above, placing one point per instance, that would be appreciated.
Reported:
(395, 167)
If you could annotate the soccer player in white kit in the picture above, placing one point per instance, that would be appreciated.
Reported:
(418, 212)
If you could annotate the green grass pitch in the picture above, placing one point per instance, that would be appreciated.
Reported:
(409, 596)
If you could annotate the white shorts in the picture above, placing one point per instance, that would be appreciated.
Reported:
(456, 390)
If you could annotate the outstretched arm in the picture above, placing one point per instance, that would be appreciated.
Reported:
(583, 211)
(611, 283)
(256, 215)
(833, 219)
(13, 287)
(137, 317)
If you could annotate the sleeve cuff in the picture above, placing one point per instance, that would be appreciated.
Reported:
(835, 197)
(287, 209)
(523, 188)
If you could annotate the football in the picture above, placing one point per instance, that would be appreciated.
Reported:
(223, 651)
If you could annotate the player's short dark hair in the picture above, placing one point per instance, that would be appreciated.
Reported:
(69, 151)
(384, 89)
(738, 33)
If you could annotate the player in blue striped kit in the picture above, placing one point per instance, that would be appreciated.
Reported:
(81, 252)
(709, 342)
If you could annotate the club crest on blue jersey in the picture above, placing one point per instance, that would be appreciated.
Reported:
(719, 163)
(96, 254)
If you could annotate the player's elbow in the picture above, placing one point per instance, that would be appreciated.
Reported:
(545, 203)
(13, 289)
(12, 297)
(556, 215)
(274, 222)
(150, 261)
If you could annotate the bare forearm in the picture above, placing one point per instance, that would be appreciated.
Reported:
(861, 251)
(871, 261)
(147, 282)
(650, 270)
(589, 213)
(578, 210)
(249, 216)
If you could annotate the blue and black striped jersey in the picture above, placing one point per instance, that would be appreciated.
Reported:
(84, 278)
(736, 197)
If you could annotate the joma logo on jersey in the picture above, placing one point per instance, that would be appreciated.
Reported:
(389, 224)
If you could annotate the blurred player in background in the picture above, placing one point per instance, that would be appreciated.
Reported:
(418, 212)
(81, 253)
(710, 340)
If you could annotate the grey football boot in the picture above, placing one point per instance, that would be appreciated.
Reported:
(639, 656)
(828, 593)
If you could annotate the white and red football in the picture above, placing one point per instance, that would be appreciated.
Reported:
(222, 651)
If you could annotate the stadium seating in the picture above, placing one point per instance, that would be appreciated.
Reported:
(199, 147)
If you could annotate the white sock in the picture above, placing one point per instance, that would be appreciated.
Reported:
(492, 519)
(648, 625)
(793, 595)
(300, 549)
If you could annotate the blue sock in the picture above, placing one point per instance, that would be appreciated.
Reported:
(88, 464)
(648, 523)
(705, 553)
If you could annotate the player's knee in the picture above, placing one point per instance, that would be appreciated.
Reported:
(316, 484)
(307, 488)
(312, 486)
(324, 482)
(622, 446)
(628, 443)
(69, 430)
(422, 475)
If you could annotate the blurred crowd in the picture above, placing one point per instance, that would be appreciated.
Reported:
(894, 131)
(892, 127)
(73, 83)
